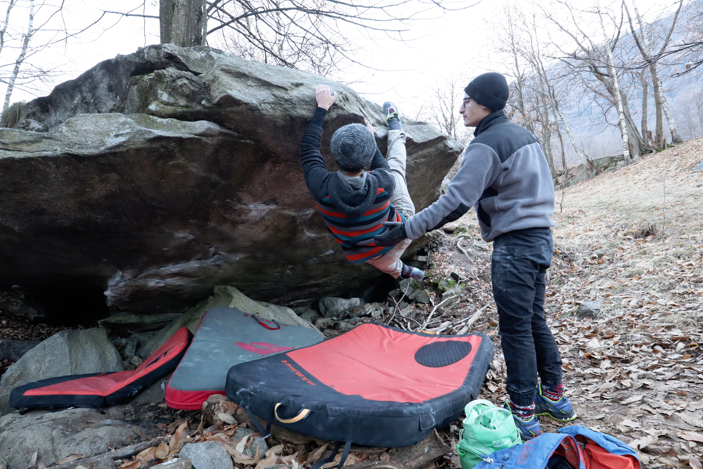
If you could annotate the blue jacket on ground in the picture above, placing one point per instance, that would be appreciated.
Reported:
(535, 453)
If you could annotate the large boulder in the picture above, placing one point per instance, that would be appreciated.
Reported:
(163, 173)
(71, 352)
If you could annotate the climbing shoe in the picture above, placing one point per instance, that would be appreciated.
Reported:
(559, 410)
(412, 272)
(528, 428)
(391, 111)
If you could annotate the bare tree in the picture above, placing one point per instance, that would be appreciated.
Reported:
(310, 34)
(689, 112)
(548, 91)
(20, 60)
(509, 42)
(10, 5)
(616, 92)
(599, 62)
(644, 44)
(442, 108)
(689, 50)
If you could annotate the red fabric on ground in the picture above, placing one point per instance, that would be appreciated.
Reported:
(598, 458)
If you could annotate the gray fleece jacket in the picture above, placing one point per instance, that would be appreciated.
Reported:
(504, 174)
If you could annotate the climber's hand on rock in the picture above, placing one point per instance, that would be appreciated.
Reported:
(325, 99)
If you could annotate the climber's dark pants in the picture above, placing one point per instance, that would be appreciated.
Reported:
(520, 261)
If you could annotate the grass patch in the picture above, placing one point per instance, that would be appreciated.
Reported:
(686, 253)
(633, 272)
(678, 319)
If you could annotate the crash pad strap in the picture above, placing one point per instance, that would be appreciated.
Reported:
(264, 432)
(263, 324)
(329, 458)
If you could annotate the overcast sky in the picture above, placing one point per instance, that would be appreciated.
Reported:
(455, 43)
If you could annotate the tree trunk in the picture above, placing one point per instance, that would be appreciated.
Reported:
(659, 139)
(634, 141)
(675, 137)
(183, 22)
(584, 159)
(659, 98)
(645, 97)
(547, 134)
(20, 59)
(617, 96)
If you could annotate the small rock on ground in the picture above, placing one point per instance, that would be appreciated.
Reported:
(207, 455)
(450, 227)
(259, 443)
(331, 307)
(589, 309)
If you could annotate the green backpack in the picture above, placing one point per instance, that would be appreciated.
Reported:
(487, 428)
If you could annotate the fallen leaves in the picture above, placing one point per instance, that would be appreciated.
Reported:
(632, 399)
(178, 439)
(641, 443)
(691, 436)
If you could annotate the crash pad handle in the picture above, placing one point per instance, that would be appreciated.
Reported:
(262, 323)
(301, 415)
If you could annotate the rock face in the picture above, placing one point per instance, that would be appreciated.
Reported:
(160, 174)
(57, 435)
(65, 353)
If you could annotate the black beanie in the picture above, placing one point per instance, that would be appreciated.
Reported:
(490, 90)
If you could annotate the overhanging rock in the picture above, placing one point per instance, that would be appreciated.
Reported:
(165, 172)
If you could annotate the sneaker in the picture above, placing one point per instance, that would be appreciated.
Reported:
(560, 410)
(391, 111)
(412, 272)
(528, 429)
(417, 274)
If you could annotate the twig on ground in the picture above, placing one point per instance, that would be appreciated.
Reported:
(435, 309)
(397, 304)
(470, 320)
(463, 251)
(121, 453)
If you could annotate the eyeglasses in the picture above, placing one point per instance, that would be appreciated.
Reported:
(466, 102)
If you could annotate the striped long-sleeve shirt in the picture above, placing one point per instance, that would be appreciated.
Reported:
(353, 216)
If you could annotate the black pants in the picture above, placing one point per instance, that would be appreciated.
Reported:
(520, 261)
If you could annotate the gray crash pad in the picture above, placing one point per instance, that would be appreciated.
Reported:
(228, 337)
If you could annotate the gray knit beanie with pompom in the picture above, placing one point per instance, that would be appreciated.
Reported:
(353, 147)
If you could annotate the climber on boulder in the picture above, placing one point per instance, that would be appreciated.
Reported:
(367, 191)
